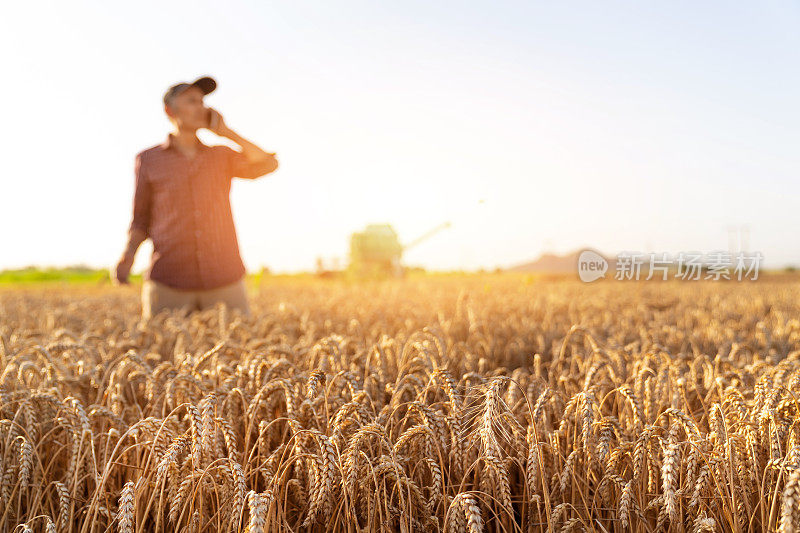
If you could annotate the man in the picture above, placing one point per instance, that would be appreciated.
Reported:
(182, 203)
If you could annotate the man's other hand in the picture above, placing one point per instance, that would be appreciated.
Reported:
(122, 271)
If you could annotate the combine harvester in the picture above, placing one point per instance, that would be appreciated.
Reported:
(377, 252)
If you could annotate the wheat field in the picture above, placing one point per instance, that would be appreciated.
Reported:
(443, 403)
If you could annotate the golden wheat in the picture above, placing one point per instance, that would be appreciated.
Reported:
(462, 403)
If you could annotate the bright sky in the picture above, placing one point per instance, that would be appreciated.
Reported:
(651, 126)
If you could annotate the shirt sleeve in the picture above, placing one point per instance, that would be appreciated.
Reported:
(141, 199)
(240, 167)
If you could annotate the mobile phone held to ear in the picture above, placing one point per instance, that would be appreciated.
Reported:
(212, 119)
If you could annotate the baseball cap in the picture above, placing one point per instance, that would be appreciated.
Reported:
(204, 83)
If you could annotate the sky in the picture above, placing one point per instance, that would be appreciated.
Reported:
(531, 126)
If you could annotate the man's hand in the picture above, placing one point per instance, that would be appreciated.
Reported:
(136, 236)
(122, 271)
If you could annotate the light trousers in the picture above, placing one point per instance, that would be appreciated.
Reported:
(157, 296)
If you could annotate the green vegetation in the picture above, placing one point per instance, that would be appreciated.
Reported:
(78, 274)
(70, 274)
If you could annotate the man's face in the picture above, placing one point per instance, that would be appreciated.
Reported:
(187, 110)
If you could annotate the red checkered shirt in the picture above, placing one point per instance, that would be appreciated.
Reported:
(183, 205)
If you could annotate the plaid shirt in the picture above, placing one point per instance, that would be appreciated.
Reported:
(183, 206)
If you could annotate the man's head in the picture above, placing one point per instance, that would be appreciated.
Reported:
(183, 103)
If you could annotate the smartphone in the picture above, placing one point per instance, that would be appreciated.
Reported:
(211, 119)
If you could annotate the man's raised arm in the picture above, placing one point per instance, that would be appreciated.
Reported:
(257, 161)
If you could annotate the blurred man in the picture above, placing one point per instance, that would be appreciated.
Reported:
(182, 203)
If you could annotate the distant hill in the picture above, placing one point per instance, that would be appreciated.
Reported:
(553, 263)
